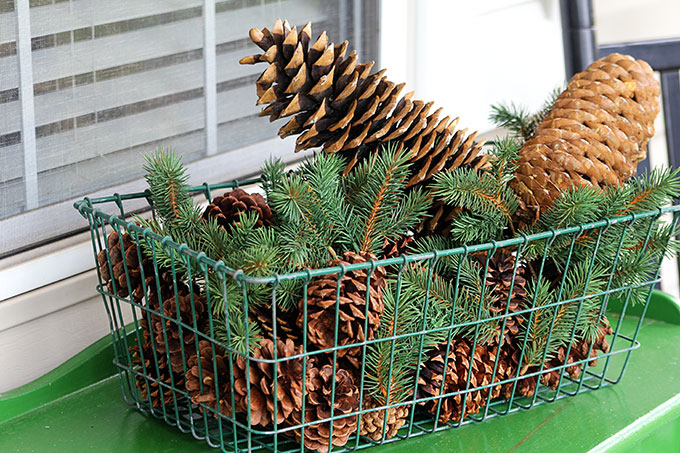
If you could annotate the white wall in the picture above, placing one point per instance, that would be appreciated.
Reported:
(636, 20)
(32, 348)
(468, 55)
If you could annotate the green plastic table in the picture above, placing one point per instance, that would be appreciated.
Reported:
(79, 407)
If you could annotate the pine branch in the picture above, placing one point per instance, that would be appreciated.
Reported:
(390, 363)
(652, 190)
(579, 311)
(380, 206)
(273, 173)
(503, 158)
(517, 118)
(467, 228)
(513, 117)
(167, 181)
(477, 192)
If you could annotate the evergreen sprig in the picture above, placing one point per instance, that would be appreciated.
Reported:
(380, 206)
(487, 201)
(573, 307)
(167, 181)
(390, 362)
(503, 157)
(517, 118)
(320, 209)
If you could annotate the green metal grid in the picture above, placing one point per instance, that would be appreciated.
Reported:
(235, 432)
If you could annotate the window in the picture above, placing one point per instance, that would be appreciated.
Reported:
(88, 86)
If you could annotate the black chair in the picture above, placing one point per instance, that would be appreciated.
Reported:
(580, 49)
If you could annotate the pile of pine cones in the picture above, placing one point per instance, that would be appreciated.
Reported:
(595, 134)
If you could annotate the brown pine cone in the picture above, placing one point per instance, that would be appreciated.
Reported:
(261, 377)
(229, 208)
(286, 327)
(373, 423)
(338, 104)
(117, 265)
(508, 368)
(157, 372)
(321, 306)
(499, 278)
(396, 247)
(169, 337)
(201, 370)
(578, 352)
(319, 387)
(595, 134)
(455, 377)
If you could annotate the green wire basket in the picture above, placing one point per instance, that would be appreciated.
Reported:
(224, 428)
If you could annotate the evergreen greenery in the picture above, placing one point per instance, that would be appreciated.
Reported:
(431, 309)
(319, 213)
(486, 200)
(167, 181)
(556, 312)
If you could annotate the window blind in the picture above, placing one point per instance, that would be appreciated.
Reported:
(113, 80)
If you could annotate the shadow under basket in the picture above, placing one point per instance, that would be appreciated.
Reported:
(178, 361)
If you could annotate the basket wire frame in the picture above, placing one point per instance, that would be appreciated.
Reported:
(232, 431)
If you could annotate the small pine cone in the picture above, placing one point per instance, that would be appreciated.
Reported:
(261, 377)
(595, 134)
(286, 327)
(319, 387)
(118, 263)
(338, 104)
(508, 368)
(432, 372)
(170, 337)
(396, 247)
(578, 352)
(157, 372)
(372, 423)
(321, 306)
(499, 278)
(228, 209)
(215, 385)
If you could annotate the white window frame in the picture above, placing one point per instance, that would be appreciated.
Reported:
(38, 279)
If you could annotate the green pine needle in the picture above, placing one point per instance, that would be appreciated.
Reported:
(167, 181)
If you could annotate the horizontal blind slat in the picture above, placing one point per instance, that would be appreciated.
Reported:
(62, 17)
(104, 138)
(158, 41)
(120, 91)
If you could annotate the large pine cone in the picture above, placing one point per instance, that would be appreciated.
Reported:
(229, 208)
(261, 377)
(205, 386)
(372, 423)
(170, 337)
(319, 387)
(595, 134)
(340, 105)
(321, 306)
(458, 365)
(120, 257)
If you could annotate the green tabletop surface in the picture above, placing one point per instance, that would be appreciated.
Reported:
(642, 413)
